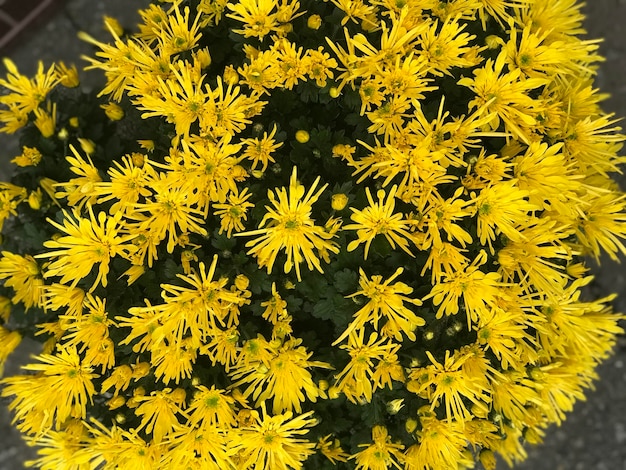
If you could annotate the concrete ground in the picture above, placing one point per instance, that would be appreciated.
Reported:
(594, 435)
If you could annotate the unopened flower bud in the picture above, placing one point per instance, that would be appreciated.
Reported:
(241, 282)
(34, 199)
(116, 402)
(113, 111)
(487, 459)
(410, 425)
(302, 136)
(314, 22)
(111, 24)
(88, 145)
(231, 77)
(339, 201)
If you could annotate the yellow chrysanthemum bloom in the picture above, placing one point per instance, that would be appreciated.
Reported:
(290, 227)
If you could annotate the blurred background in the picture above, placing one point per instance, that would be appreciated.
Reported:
(594, 435)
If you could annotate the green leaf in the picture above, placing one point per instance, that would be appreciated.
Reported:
(346, 281)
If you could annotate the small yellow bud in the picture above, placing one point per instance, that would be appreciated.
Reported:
(34, 199)
(289, 285)
(480, 410)
(138, 159)
(339, 201)
(314, 22)
(116, 402)
(245, 418)
(410, 425)
(49, 345)
(532, 436)
(231, 77)
(10, 341)
(285, 29)
(204, 57)
(74, 122)
(302, 136)
(394, 406)
(576, 270)
(334, 92)
(113, 111)
(63, 134)
(88, 146)
(334, 392)
(69, 75)
(5, 308)
(178, 396)
(30, 157)
(45, 122)
(120, 418)
(113, 25)
(487, 459)
(146, 144)
(492, 41)
(323, 385)
(140, 370)
(413, 386)
(241, 282)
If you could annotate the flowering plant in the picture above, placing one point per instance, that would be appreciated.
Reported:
(310, 234)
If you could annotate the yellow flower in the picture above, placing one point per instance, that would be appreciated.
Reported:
(379, 455)
(113, 111)
(386, 300)
(212, 407)
(284, 377)
(256, 15)
(478, 289)
(502, 208)
(63, 372)
(379, 218)
(259, 151)
(26, 94)
(30, 156)
(233, 212)
(87, 242)
(356, 380)
(9, 340)
(119, 378)
(23, 275)
(45, 121)
(331, 449)
(129, 182)
(67, 75)
(158, 412)
(207, 301)
(291, 228)
(273, 441)
(56, 296)
(168, 209)
(450, 385)
(339, 201)
(440, 445)
(320, 66)
(81, 190)
(506, 95)
(180, 99)
(314, 22)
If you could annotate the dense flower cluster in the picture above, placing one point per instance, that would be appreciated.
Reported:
(310, 234)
